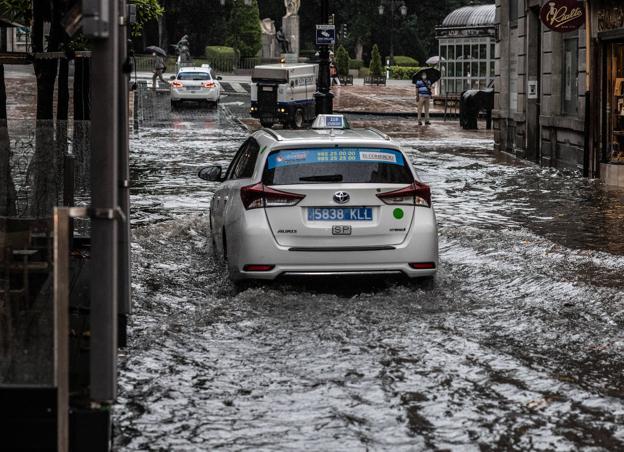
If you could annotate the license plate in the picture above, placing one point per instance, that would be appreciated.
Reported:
(340, 214)
(192, 88)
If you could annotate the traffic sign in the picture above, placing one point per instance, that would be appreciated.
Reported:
(325, 35)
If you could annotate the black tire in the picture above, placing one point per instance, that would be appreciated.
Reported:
(175, 104)
(297, 120)
(267, 124)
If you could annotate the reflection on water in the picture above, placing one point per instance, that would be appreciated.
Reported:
(519, 345)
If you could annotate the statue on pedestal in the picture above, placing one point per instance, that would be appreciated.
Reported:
(290, 27)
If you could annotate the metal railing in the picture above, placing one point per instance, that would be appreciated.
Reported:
(223, 65)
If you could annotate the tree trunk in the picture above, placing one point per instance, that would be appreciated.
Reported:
(7, 188)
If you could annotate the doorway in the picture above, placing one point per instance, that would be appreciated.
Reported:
(533, 88)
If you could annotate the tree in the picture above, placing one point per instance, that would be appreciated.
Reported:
(375, 63)
(147, 10)
(342, 61)
(245, 34)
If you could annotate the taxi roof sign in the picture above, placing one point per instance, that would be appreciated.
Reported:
(331, 122)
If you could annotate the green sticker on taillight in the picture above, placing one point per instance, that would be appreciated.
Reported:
(398, 213)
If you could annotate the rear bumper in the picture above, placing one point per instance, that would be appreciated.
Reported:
(252, 243)
(204, 94)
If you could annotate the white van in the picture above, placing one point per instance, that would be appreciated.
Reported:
(283, 93)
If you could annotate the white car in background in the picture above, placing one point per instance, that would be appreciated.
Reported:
(325, 201)
(195, 84)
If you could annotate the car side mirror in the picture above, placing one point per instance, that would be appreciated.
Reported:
(172, 77)
(219, 77)
(211, 173)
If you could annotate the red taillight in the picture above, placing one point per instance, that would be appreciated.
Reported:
(259, 195)
(258, 268)
(177, 84)
(422, 265)
(416, 194)
(208, 85)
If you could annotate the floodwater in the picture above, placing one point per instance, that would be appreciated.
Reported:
(518, 346)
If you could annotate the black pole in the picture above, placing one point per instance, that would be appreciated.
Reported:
(124, 305)
(323, 95)
(391, 31)
(104, 199)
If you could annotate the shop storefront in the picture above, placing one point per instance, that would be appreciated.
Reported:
(607, 80)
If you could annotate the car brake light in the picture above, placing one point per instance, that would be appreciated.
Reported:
(259, 195)
(422, 265)
(208, 85)
(258, 268)
(416, 194)
(177, 84)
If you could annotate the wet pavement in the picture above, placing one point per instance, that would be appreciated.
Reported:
(518, 346)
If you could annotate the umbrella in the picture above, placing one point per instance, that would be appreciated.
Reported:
(156, 49)
(432, 74)
(434, 60)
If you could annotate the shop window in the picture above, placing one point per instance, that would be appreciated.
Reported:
(513, 13)
(570, 76)
(458, 51)
(615, 103)
(451, 52)
(475, 51)
(443, 51)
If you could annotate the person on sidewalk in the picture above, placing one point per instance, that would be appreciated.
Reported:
(159, 68)
(423, 98)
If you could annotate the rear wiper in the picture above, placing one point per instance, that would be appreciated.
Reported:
(323, 178)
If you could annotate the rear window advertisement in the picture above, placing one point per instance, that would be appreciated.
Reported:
(349, 165)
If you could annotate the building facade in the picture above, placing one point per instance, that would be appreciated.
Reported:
(559, 96)
(540, 86)
(605, 35)
(467, 40)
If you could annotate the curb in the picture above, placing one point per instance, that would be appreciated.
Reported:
(394, 113)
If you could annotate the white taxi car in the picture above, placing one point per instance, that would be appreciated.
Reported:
(194, 84)
(330, 200)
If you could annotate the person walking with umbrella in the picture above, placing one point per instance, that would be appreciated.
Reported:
(424, 79)
(159, 64)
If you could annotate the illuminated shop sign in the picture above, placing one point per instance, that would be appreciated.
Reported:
(563, 15)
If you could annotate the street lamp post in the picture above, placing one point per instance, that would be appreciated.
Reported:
(393, 6)
(323, 95)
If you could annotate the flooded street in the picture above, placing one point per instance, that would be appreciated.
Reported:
(519, 345)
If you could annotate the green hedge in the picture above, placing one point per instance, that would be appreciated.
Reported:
(405, 61)
(364, 72)
(222, 58)
(356, 64)
(403, 73)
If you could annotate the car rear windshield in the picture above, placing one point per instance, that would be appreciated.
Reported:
(334, 165)
(194, 76)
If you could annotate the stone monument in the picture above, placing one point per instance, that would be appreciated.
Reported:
(269, 44)
(290, 27)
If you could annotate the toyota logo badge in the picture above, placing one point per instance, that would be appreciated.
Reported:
(341, 197)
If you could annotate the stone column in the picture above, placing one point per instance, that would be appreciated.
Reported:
(290, 27)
